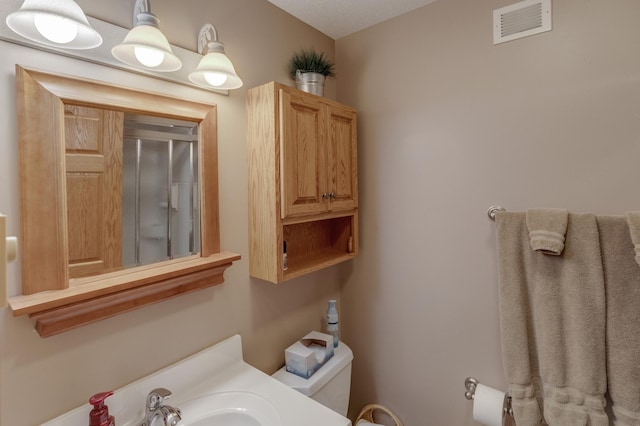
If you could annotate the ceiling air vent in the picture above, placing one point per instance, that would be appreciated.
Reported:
(521, 19)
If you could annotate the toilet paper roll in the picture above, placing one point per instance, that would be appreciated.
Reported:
(366, 423)
(488, 406)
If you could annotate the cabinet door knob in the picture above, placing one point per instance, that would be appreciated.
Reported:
(325, 195)
(333, 195)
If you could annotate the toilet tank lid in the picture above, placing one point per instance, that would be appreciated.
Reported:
(342, 356)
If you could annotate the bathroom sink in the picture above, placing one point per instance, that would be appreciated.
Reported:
(234, 408)
(214, 387)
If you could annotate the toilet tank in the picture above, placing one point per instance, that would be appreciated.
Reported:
(330, 385)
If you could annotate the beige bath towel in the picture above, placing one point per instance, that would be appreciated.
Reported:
(552, 315)
(633, 220)
(622, 283)
(547, 229)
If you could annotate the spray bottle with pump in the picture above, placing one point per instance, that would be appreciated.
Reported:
(99, 415)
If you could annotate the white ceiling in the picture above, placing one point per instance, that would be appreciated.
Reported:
(339, 18)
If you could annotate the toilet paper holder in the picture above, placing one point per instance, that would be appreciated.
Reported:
(471, 383)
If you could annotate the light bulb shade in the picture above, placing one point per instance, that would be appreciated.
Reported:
(212, 69)
(55, 23)
(146, 38)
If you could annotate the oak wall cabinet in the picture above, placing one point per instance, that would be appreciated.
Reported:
(303, 182)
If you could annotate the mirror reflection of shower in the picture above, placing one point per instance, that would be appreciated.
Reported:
(160, 200)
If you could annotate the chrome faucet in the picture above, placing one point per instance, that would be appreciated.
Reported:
(158, 414)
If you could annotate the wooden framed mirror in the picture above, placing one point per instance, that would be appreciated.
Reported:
(53, 203)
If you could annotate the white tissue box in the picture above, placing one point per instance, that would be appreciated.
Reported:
(308, 354)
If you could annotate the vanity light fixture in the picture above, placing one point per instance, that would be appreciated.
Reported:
(215, 68)
(55, 23)
(145, 46)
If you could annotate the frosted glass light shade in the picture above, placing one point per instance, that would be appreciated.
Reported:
(55, 23)
(150, 39)
(216, 70)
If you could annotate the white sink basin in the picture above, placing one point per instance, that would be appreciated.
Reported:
(229, 409)
(214, 387)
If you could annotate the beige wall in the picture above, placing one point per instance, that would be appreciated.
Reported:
(42, 378)
(450, 124)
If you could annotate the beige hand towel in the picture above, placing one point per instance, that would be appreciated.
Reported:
(622, 284)
(633, 220)
(552, 318)
(547, 229)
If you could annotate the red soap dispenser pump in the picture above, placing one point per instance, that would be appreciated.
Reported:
(99, 416)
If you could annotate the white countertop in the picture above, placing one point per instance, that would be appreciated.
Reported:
(219, 368)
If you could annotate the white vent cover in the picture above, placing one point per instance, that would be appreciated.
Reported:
(521, 19)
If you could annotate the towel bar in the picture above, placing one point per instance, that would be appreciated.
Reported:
(492, 211)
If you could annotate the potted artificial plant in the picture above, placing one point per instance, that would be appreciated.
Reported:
(309, 69)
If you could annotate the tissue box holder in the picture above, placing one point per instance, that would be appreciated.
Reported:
(308, 354)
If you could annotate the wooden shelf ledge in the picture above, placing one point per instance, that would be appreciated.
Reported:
(90, 300)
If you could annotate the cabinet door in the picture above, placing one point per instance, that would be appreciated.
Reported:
(343, 158)
(303, 175)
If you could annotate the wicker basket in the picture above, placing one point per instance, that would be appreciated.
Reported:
(367, 414)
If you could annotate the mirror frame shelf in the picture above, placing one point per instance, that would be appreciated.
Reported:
(55, 301)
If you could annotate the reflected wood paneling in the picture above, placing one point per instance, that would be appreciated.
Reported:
(93, 146)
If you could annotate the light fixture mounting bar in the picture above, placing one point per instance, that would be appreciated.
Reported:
(112, 35)
(208, 33)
